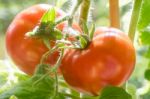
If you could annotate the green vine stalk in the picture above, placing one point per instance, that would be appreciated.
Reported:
(134, 18)
(84, 12)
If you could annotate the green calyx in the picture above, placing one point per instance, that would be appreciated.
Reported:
(87, 36)
(47, 27)
(47, 30)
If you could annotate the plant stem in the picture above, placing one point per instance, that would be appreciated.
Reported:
(76, 7)
(73, 12)
(58, 61)
(62, 20)
(53, 69)
(44, 57)
(69, 18)
(84, 12)
(114, 13)
(134, 18)
(56, 87)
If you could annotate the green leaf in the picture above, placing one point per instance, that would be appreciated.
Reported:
(111, 92)
(91, 33)
(145, 36)
(49, 16)
(144, 23)
(21, 77)
(144, 18)
(3, 78)
(33, 88)
(147, 74)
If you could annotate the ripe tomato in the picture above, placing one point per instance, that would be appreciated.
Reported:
(24, 51)
(108, 60)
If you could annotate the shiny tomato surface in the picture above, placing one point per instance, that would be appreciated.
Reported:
(26, 52)
(108, 60)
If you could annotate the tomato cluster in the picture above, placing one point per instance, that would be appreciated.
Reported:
(109, 58)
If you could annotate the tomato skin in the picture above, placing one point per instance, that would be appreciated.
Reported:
(108, 60)
(24, 51)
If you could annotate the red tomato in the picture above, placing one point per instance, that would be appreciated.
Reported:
(24, 51)
(108, 60)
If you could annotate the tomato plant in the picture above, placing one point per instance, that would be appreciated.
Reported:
(96, 61)
(108, 60)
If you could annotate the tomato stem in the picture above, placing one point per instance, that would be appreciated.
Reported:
(69, 18)
(114, 13)
(134, 18)
(53, 69)
(84, 12)
(58, 61)
(74, 11)
(44, 57)
(62, 20)
(76, 7)
(56, 85)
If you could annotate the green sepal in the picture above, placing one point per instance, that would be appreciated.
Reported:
(46, 41)
(47, 32)
(85, 28)
(49, 16)
(92, 30)
(83, 41)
